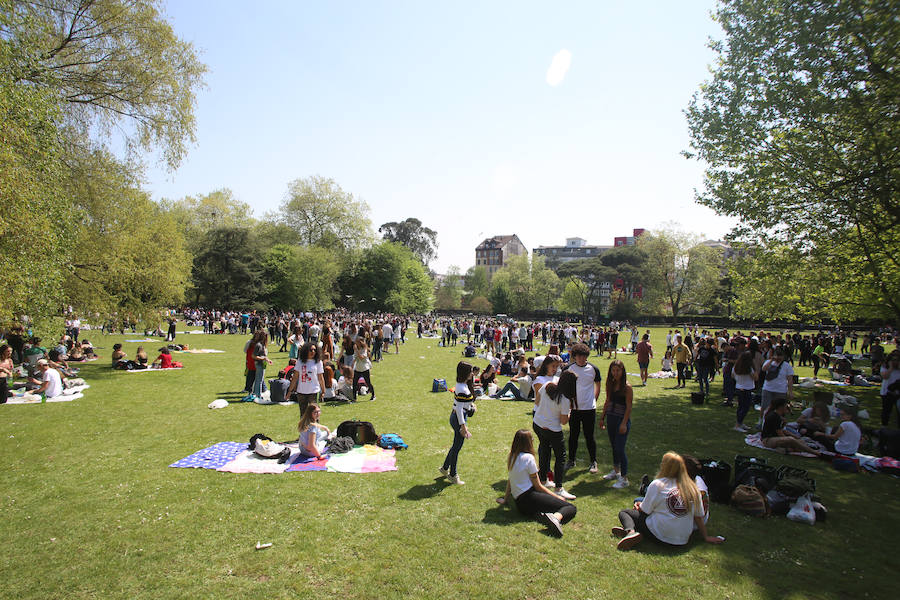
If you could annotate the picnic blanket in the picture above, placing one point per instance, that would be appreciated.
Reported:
(200, 351)
(755, 440)
(234, 457)
(142, 340)
(150, 370)
(33, 399)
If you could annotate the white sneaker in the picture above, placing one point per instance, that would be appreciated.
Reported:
(621, 482)
(740, 428)
(562, 493)
(456, 480)
(593, 468)
(611, 475)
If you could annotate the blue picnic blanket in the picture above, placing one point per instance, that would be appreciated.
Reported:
(213, 457)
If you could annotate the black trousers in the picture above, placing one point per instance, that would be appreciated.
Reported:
(548, 441)
(636, 520)
(532, 502)
(577, 420)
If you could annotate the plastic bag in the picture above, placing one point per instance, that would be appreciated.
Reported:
(802, 511)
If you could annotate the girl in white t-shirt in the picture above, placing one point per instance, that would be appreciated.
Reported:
(669, 510)
(313, 435)
(554, 403)
(846, 436)
(533, 499)
(744, 383)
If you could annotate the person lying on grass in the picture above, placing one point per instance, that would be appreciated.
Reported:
(774, 435)
(533, 499)
(669, 511)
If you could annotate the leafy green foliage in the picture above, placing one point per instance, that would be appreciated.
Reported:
(298, 277)
(226, 271)
(799, 126)
(527, 282)
(476, 282)
(449, 291)
(421, 240)
(387, 276)
(324, 215)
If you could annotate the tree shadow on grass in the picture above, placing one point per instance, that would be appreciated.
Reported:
(423, 491)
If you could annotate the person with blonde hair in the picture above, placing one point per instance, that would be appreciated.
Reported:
(669, 510)
(533, 498)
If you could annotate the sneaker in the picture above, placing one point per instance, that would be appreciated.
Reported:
(619, 532)
(443, 471)
(248, 398)
(544, 482)
(562, 493)
(455, 480)
(628, 542)
(570, 464)
(740, 428)
(593, 468)
(621, 482)
(611, 475)
(552, 523)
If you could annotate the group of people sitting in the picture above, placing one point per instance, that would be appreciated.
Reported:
(45, 373)
(141, 359)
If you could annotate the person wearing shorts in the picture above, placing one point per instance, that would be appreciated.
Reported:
(644, 353)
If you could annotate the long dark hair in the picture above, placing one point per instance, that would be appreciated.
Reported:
(545, 365)
(463, 372)
(613, 385)
(744, 364)
(566, 386)
(522, 442)
(305, 351)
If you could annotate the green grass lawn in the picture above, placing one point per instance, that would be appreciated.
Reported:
(91, 509)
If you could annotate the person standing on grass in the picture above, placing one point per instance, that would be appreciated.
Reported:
(778, 381)
(362, 368)
(554, 402)
(683, 356)
(890, 375)
(745, 382)
(261, 358)
(669, 511)
(617, 416)
(463, 408)
(644, 353)
(307, 377)
(704, 358)
(584, 415)
(533, 498)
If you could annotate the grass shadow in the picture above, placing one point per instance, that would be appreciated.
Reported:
(425, 491)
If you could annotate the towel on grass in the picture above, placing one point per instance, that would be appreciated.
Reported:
(200, 351)
(234, 457)
(755, 440)
(143, 340)
(211, 458)
(34, 399)
(149, 370)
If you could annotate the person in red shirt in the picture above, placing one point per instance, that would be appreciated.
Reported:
(644, 353)
(164, 359)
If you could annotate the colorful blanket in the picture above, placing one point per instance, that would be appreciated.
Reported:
(756, 441)
(200, 351)
(234, 457)
(150, 370)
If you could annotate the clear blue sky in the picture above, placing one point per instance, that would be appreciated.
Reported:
(443, 111)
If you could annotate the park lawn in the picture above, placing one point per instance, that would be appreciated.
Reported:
(92, 510)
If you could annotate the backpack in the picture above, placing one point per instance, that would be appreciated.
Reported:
(697, 398)
(439, 385)
(264, 447)
(361, 432)
(392, 440)
(717, 475)
(794, 487)
(750, 501)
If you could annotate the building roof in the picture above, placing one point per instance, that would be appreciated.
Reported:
(500, 240)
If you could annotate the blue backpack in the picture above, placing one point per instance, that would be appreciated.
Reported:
(392, 440)
(439, 385)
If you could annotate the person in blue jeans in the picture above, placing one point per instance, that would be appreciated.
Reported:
(463, 408)
(617, 416)
(705, 359)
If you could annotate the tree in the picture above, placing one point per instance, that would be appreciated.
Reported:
(421, 240)
(680, 269)
(387, 276)
(528, 284)
(449, 290)
(324, 215)
(586, 278)
(127, 254)
(799, 130)
(299, 277)
(198, 214)
(112, 63)
(630, 266)
(481, 305)
(476, 282)
(226, 271)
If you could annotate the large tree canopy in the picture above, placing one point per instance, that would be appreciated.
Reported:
(800, 128)
(421, 240)
(324, 215)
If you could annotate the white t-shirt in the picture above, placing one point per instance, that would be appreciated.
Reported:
(541, 380)
(538, 360)
(704, 497)
(587, 375)
(744, 382)
(387, 331)
(55, 386)
(524, 385)
(670, 519)
(308, 376)
(549, 411)
(520, 474)
(848, 443)
(779, 385)
(887, 380)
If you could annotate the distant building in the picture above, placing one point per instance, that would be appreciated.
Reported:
(628, 240)
(575, 248)
(494, 252)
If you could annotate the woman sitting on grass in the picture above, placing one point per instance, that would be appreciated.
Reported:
(164, 360)
(533, 499)
(774, 435)
(313, 435)
(814, 419)
(669, 511)
(846, 436)
(118, 355)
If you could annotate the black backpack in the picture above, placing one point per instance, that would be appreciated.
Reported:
(717, 475)
(361, 432)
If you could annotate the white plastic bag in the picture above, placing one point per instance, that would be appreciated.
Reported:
(802, 511)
